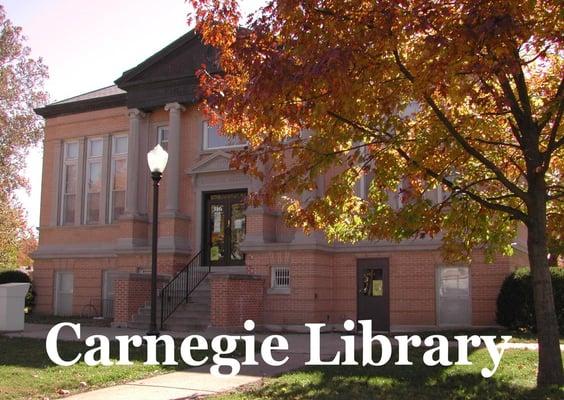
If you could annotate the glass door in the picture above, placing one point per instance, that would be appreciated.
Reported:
(225, 228)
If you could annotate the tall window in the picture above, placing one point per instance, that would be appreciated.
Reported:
(70, 174)
(214, 140)
(93, 181)
(162, 136)
(118, 178)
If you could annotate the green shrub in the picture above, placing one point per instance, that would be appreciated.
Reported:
(515, 305)
(14, 276)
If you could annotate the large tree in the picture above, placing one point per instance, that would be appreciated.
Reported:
(21, 80)
(465, 95)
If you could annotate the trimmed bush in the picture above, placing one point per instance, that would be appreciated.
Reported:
(16, 276)
(515, 305)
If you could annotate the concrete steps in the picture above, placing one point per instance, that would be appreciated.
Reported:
(188, 317)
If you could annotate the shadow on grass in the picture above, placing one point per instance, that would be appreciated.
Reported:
(515, 381)
(329, 386)
(31, 353)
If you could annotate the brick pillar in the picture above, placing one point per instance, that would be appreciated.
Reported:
(131, 292)
(236, 298)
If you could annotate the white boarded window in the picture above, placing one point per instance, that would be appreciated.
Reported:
(453, 295)
(70, 176)
(93, 184)
(162, 136)
(280, 278)
(118, 177)
(213, 139)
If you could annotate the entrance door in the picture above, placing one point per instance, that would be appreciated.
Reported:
(453, 284)
(374, 293)
(64, 289)
(224, 228)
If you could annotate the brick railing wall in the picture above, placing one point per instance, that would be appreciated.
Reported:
(131, 292)
(236, 298)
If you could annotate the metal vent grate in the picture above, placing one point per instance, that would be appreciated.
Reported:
(280, 277)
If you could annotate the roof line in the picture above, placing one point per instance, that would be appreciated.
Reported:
(165, 51)
(81, 94)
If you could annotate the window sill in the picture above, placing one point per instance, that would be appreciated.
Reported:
(83, 226)
(223, 148)
(278, 291)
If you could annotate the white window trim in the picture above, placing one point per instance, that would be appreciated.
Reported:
(72, 161)
(205, 145)
(274, 288)
(160, 130)
(362, 181)
(114, 157)
(399, 199)
(362, 192)
(438, 270)
(90, 159)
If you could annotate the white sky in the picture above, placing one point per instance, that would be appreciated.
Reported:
(88, 44)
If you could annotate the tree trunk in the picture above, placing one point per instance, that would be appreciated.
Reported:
(550, 358)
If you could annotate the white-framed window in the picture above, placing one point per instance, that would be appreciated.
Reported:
(453, 295)
(280, 278)
(401, 193)
(162, 136)
(69, 182)
(118, 176)
(363, 182)
(361, 187)
(213, 140)
(93, 182)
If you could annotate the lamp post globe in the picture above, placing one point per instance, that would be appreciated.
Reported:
(156, 159)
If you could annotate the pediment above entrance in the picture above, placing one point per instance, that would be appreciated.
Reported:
(215, 162)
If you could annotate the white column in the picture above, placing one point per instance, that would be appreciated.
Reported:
(132, 192)
(173, 166)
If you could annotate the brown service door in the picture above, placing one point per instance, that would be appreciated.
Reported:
(374, 292)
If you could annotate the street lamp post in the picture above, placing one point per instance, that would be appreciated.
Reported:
(156, 159)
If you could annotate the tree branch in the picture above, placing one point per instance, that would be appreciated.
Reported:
(554, 144)
(461, 140)
(515, 213)
(557, 100)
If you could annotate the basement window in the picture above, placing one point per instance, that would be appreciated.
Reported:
(280, 280)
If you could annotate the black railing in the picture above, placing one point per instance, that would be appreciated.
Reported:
(182, 285)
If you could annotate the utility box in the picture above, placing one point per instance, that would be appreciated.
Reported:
(12, 306)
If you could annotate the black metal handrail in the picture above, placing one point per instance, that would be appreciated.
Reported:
(181, 286)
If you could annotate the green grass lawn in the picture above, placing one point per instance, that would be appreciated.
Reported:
(26, 372)
(518, 336)
(514, 380)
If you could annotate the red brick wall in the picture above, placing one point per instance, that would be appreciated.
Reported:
(236, 298)
(87, 281)
(311, 292)
(88, 276)
(131, 292)
(323, 286)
